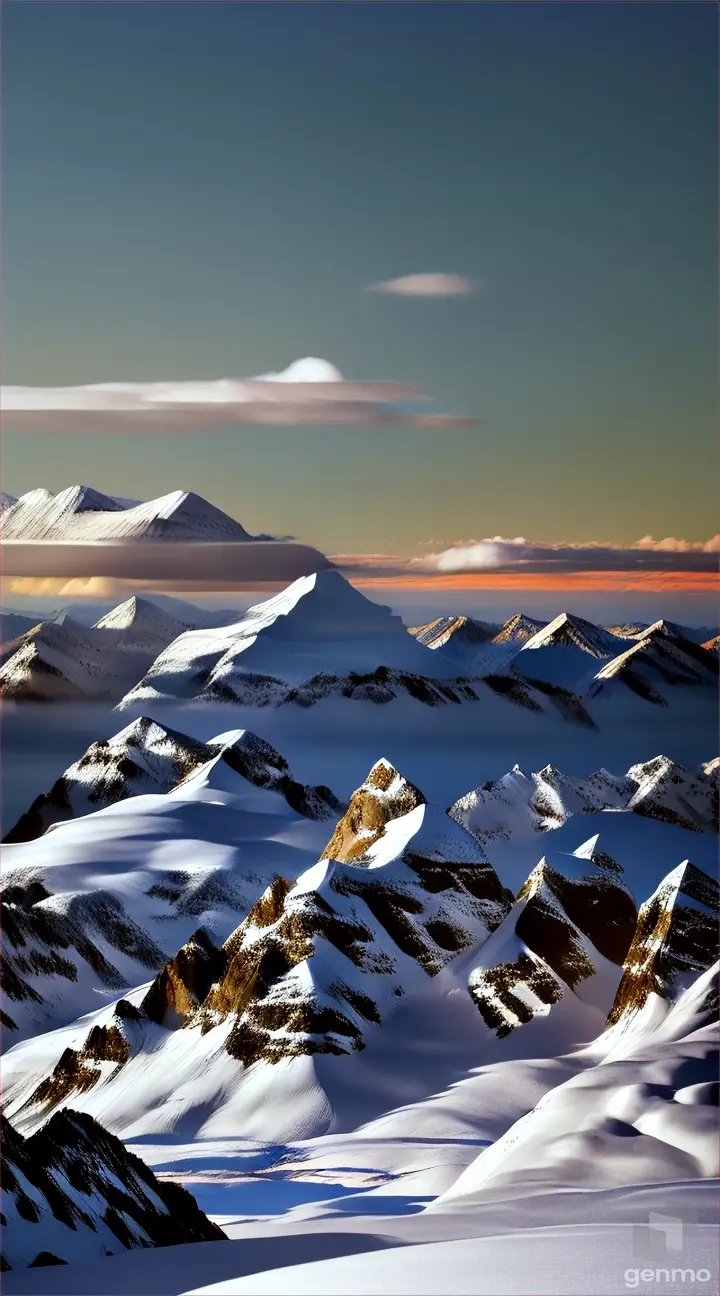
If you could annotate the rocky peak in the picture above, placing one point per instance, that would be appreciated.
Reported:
(385, 795)
(185, 981)
(676, 938)
(570, 909)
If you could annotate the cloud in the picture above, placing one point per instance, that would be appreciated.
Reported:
(223, 565)
(428, 285)
(309, 393)
(671, 545)
(517, 555)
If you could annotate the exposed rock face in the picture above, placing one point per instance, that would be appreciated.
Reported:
(175, 994)
(311, 966)
(47, 946)
(676, 939)
(668, 791)
(384, 796)
(518, 629)
(88, 1197)
(146, 757)
(523, 691)
(572, 908)
(185, 981)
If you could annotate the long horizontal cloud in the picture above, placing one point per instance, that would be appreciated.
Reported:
(190, 565)
(501, 555)
(310, 393)
(427, 285)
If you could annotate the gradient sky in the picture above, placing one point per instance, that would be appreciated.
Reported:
(201, 190)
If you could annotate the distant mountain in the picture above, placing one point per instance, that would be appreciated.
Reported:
(73, 1192)
(656, 660)
(713, 645)
(146, 757)
(454, 631)
(62, 659)
(569, 631)
(320, 623)
(322, 639)
(81, 514)
(518, 629)
(518, 806)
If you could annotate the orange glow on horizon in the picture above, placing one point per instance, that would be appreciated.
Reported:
(650, 582)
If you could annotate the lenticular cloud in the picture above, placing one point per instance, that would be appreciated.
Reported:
(310, 392)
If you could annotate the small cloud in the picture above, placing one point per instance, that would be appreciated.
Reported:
(428, 285)
(309, 393)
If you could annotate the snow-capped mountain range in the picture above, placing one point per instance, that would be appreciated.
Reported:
(61, 659)
(225, 950)
(322, 639)
(517, 805)
(145, 757)
(81, 514)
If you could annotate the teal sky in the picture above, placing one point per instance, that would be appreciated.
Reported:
(202, 190)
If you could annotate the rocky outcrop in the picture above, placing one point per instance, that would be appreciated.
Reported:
(87, 1196)
(676, 939)
(571, 909)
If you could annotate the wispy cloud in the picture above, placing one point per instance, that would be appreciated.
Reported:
(309, 393)
(428, 285)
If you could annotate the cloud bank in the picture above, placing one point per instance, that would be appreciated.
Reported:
(309, 393)
(427, 285)
(516, 556)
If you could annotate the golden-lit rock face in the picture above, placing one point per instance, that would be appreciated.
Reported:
(677, 933)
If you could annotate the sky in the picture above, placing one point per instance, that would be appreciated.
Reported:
(195, 191)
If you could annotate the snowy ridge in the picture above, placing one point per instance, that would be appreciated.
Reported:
(145, 757)
(655, 660)
(61, 659)
(518, 806)
(72, 1191)
(574, 632)
(81, 515)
